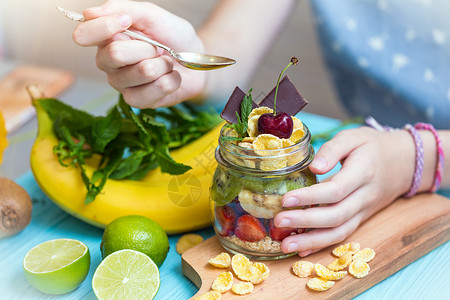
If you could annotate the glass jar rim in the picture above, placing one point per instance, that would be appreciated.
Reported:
(233, 149)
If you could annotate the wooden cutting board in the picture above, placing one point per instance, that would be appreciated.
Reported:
(399, 234)
(15, 103)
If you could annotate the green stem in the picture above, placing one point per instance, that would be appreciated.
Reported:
(276, 90)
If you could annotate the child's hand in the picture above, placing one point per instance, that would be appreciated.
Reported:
(146, 76)
(377, 167)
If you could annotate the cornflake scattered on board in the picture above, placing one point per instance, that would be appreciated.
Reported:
(342, 262)
(242, 288)
(319, 284)
(349, 247)
(348, 255)
(223, 260)
(303, 268)
(365, 255)
(325, 273)
(223, 282)
(211, 295)
(359, 268)
(250, 272)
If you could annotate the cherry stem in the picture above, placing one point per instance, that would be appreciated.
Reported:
(276, 90)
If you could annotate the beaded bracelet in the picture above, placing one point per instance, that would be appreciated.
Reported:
(440, 154)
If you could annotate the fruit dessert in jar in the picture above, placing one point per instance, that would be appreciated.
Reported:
(260, 157)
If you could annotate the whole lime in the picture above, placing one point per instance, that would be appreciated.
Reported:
(137, 233)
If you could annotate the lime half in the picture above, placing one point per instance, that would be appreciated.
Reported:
(126, 274)
(57, 266)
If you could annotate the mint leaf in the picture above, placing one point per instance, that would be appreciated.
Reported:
(168, 164)
(128, 165)
(105, 129)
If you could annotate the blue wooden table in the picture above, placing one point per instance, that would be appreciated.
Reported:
(426, 278)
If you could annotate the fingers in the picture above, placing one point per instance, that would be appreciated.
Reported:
(335, 150)
(324, 216)
(160, 91)
(97, 31)
(144, 72)
(118, 54)
(355, 173)
(318, 239)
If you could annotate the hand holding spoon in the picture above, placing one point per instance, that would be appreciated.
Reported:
(191, 60)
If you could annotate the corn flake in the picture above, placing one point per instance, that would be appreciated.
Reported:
(319, 284)
(260, 272)
(297, 123)
(273, 164)
(365, 255)
(187, 242)
(211, 295)
(349, 247)
(223, 260)
(252, 127)
(286, 143)
(223, 282)
(248, 139)
(245, 145)
(260, 111)
(303, 268)
(267, 142)
(241, 266)
(324, 273)
(358, 268)
(297, 135)
(242, 288)
(342, 262)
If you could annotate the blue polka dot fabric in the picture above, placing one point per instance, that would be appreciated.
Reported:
(389, 58)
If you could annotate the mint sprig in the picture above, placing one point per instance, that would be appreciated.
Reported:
(130, 143)
(242, 121)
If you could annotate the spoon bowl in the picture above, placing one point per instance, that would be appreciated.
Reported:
(199, 61)
(191, 60)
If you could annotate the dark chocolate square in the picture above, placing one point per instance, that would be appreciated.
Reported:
(289, 99)
(234, 105)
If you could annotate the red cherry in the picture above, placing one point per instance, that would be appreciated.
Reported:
(280, 125)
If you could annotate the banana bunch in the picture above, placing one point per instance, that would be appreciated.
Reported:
(178, 203)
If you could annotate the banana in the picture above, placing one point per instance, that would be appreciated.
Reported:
(259, 205)
(178, 203)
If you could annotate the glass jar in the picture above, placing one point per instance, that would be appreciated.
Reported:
(246, 194)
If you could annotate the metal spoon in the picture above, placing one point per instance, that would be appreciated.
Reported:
(195, 61)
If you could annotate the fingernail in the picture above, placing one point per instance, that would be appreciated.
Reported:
(319, 163)
(292, 247)
(291, 201)
(124, 20)
(285, 223)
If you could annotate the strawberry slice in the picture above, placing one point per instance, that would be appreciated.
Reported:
(279, 233)
(226, 218)
(249, 229)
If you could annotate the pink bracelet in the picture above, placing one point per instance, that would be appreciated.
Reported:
(440, 155)
(418, 169)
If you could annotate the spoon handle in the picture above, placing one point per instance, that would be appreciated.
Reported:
(74, 16)
(150, 41)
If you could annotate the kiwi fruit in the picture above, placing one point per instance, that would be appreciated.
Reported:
(264, 185)
(225, 187)
(299, 180)
(15, 208)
